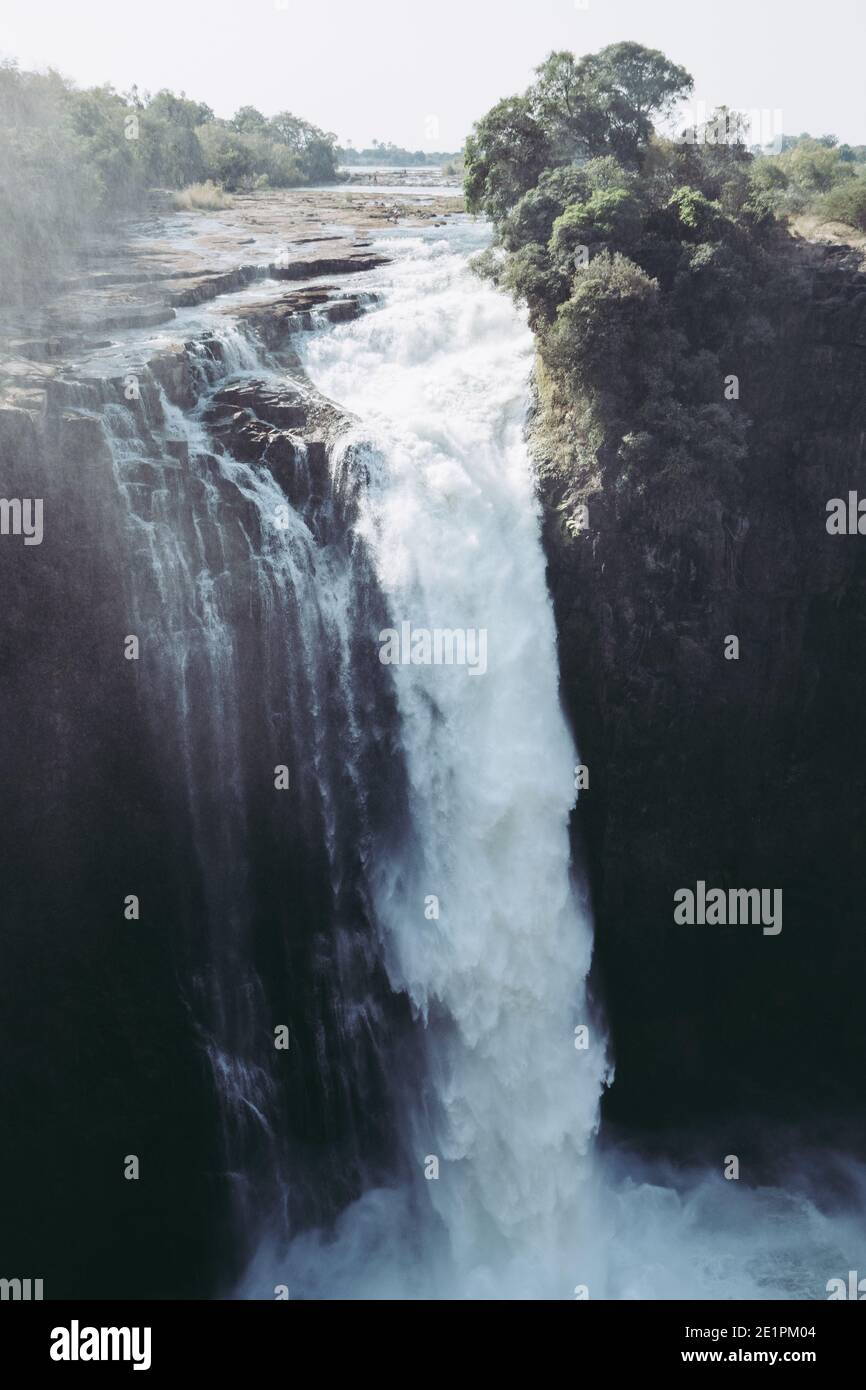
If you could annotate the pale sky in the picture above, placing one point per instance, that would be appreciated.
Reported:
(419, 74)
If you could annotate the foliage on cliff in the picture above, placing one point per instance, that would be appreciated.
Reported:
(70, 158)
(655, 271)
(649, 267)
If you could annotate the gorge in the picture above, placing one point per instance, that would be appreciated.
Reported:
(397, 438)
(366, 699)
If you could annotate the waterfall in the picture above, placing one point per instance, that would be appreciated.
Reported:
(362, 601)
(251, 617)
(483, 923)
(439, 378)
(481, 915)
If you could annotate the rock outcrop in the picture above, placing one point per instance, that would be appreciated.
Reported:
(153, 779)
(742, 773)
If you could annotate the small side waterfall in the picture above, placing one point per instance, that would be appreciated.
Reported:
(256, 625)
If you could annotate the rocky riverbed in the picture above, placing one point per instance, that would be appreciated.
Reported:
(139, 275)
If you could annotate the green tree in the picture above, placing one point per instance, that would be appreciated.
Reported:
(314, 149)
(506, 155)
(179, 110)
(249, 121)
(606, 101)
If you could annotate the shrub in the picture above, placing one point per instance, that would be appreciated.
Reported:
(207, 196)
(611, 324)
(846, 203)
(611, 218)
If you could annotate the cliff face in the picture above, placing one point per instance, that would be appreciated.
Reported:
(742, 773)
(98, 1044)
(151, 1033)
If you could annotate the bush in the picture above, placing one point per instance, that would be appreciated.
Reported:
(202, 195)
(805, 173)
(532, 219)
(698, 217)
(529, 275)
(240, 161)
(610, 218)
(846, 203)
(611, 324)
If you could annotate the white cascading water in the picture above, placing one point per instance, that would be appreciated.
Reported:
(195, 559)
(438, 379)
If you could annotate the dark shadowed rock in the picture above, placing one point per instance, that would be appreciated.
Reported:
(748, 773)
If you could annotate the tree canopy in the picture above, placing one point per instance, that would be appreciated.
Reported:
(645, 262)
(575, 110)
(72, 157)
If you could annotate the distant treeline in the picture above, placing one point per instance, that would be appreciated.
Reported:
(814, 174)
(392, 155)
(70, 158)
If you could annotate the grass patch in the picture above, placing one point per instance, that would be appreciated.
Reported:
(207, 196)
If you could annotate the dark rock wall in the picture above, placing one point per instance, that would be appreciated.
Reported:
(748, 773)
(155, 777)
